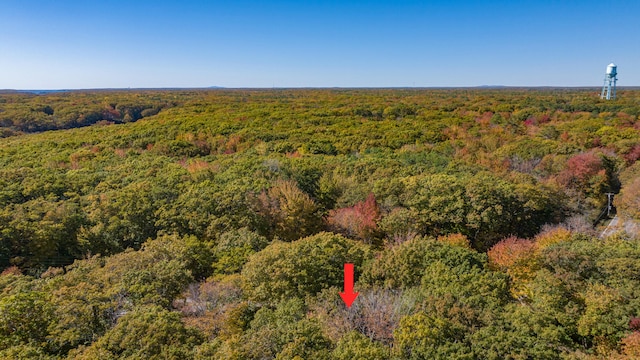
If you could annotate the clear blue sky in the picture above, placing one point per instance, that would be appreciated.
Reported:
(65, 44)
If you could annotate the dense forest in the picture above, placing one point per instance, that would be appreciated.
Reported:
(193, 224)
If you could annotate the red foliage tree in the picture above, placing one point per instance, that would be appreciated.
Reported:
(586, 172)
(633, 154)
(358, 221)
(584, 165)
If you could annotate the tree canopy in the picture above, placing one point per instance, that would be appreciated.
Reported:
(215, 224)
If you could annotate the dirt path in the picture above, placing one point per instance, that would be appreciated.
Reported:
(616, 224)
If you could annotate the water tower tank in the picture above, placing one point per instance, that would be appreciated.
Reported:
(610, 80)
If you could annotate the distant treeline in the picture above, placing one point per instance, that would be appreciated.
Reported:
(22, 112)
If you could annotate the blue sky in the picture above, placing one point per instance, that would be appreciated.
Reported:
(70, 44)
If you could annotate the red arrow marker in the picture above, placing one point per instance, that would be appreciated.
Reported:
(348, 296)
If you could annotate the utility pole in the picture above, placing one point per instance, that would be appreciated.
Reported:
(609, 197)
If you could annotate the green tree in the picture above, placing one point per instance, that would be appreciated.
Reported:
(147, 332)
(605, 318)
(403, 266)
(420, 336)
(24, 319)
(300, 268)
(285, 333)
(234, 248)
(355, 346)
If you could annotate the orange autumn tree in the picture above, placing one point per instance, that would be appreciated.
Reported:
(551, 237)
(630, 346)
(456, 239)
(519, 258)
(516, 257)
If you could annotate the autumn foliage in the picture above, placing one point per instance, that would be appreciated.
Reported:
(552, 236)
(633, 154)
(628, 201)
(456, 240)
(581, 168)
(631, 346)
(358, 221)
(585, 165)
(289, 213)
(510, 252)
(516, 257)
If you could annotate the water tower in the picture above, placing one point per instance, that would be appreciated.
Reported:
(609, 88)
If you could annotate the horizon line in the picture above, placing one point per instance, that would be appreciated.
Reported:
(494, 87)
